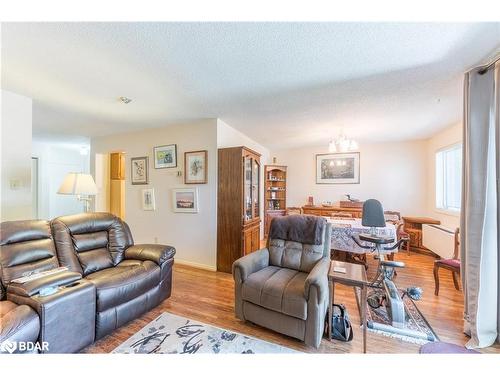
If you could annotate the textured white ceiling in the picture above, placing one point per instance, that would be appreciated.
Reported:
(283, 84)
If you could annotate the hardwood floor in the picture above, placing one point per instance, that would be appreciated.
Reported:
(208, 297)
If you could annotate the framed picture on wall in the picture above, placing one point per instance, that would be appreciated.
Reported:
(338, 168)
(195, 167)
(139, 170)
(165, 156)
(185, 200)
(148, 199)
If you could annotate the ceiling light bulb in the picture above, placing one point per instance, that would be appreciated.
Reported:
(332, 147)
(124, 99)
(344, 145)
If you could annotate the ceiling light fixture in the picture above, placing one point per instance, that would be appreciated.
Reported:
(342, 144)
(124, 99)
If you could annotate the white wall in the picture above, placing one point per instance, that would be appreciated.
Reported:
(102, 180)
(393, 173)
(15, 153)
(193, 235)
(227, 136)
(447, 137)
(55, 161)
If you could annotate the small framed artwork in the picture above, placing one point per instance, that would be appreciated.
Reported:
(195, 167)
(165, 156)
(139, 172)
(339, 168)
(148, 199)
(185, 200)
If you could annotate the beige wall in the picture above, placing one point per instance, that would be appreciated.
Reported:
(447, 137)
(15, 153)
(193, 235)
(399, 174)
(394, 173)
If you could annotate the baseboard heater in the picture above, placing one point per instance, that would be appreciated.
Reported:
(439, 239)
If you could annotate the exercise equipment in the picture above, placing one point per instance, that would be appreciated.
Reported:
(384, 293)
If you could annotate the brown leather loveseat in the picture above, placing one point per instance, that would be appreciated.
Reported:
(109, 281)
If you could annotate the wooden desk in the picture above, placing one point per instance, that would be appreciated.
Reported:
(330, 210)
(413, 226)
(354, 276)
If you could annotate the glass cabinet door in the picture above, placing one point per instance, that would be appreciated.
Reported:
(247, 198)
(256, 188)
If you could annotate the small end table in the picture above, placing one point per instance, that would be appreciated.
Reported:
(355, 276)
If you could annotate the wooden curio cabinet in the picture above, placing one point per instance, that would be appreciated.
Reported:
(238, 205)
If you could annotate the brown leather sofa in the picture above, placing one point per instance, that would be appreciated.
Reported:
(129, 279)
(109, 281)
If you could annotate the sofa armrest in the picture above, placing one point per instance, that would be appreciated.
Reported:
(251, 263)
(30, 288)
(318, 278)
(155, 253)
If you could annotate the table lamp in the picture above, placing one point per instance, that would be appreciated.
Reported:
(80, 184)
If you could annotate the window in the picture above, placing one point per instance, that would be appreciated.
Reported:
(449, 178)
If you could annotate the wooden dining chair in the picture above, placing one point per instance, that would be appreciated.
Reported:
(451, 264)
(341, 215)
(402, 235)
(293, 211)
(394, 217)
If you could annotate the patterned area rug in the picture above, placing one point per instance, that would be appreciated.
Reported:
(415, 321)
(173, 334)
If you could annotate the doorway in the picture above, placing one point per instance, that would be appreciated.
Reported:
(110, 181)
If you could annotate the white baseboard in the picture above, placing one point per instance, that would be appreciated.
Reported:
(195, 265)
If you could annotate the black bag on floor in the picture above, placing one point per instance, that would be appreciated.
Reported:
(341, 325)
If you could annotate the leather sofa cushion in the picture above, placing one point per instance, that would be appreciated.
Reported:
(26, 246)
(92, 251)
(128, 280)
(83, 239)
(277, 289)
(19, 322)
(23, 230)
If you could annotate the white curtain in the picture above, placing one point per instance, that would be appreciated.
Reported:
(480, 251)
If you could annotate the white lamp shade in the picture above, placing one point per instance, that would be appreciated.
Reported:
(78, 184)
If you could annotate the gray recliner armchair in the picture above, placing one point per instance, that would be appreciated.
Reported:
(284, 287)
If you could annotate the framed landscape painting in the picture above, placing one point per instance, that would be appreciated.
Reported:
(195, 167)
(139, 173)
(165, 156)
(339, 168)
(185, 200)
